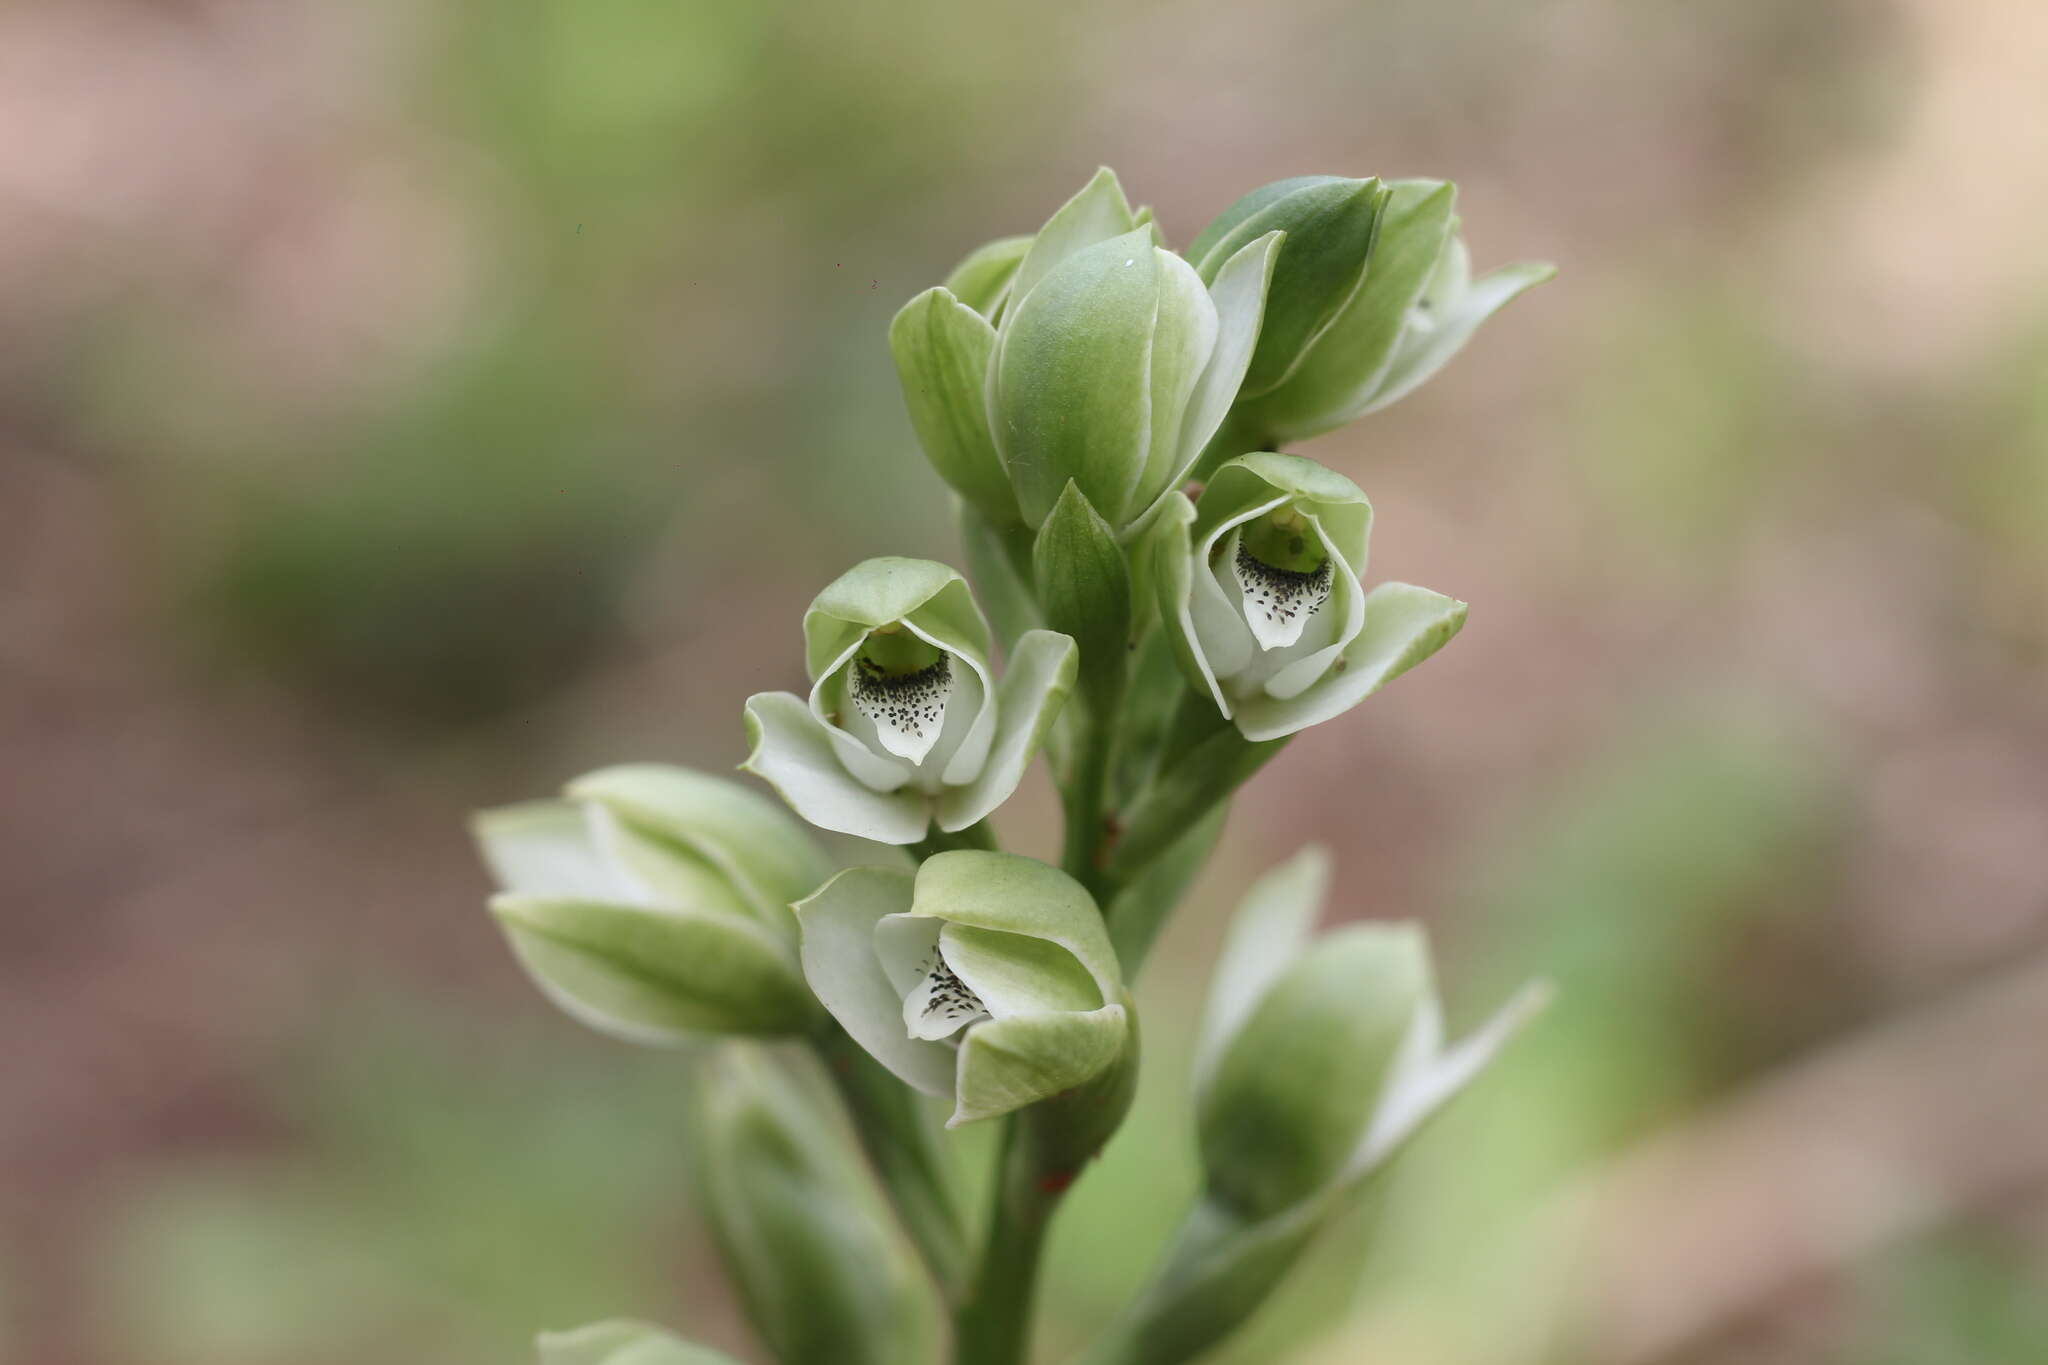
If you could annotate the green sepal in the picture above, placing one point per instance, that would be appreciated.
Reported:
(942, 349)
(1336, 379)
(661, 976)
(982, 279)
(1293, 1088)
(1331, 224)
(620, 1341)
(1257, 479)
(1084, 590)
(1096, 213)
(820, 1268)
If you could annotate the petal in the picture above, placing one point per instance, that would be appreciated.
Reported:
(1425, 349)
(1040, 676)
(1096, 214)
(545, 848)
(1215, 606)
(1258, 477)
(674, 877)
(942, 349)
(1009, 894)
(939, 1004)
(792, 751)
(1404, 625)
(1278, 603)
(1176, 576)
(1416, 1091)
(755, 843)
(1342, 617)
(654, 976)
(852, 734)
(839, 926)
(621, 1342)
(1017, 973)
(1239, 290)
(982, 280)
(1070, 387)
(1183, 341)
(881, 592)
(1005, 1064)
(1269, 930)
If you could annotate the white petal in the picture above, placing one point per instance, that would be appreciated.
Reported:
(849, 731)
(907, 712)
(840, 961)
(1342, 618)
(940, 1004)
(545, 848)
(793, 750)
(1277, 603)
(1403, 626)
(1040, 675)
(1240, 295)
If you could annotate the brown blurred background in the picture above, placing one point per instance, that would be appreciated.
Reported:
(405, 406)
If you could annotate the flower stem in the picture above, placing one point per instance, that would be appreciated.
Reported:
(993, 1324)
(897, 1136)
(1086, 795)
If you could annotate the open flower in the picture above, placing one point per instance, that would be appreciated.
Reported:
(1091, 354)
(653, 903)
(1259, 587)
(984, 977)
(905, 724)
(1414, 304)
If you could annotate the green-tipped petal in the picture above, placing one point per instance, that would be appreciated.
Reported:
(620, 1341)
(794, 754)
(881, 592)
(655, 976)
(1173, 568)
(1184, 334)
(1426, 1077)
(1253, 480)
(1099, 212)
(982, 280)
(1034, 687)
(1070, 387)
(839, 962)
(1015, 895)
(1239, 288)
(942, 349)
(1404, 625)
(1006, 1064)
(545, 848)
(1431, 341)
(1269, 930)
(749, 839)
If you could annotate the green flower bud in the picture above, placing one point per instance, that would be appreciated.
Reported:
(653, 904)
(1319, 1057)
(984, 977)
(1090, 355)
(905, 724)
(622, 1342)
(1411, 309)
(817, 1261)
(1259, 584)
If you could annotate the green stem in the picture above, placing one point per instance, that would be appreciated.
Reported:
(993, 1324)
(900, 1143)
(1086, 795)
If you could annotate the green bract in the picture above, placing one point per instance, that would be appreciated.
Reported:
(1093, 355)
(1259, 587)
(1408, 311)
(653, 903)
(905, 724)
(620, 1341)
(818, 1264)
(984, 977)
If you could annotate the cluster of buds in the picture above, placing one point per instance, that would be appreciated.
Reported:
(1160, 640)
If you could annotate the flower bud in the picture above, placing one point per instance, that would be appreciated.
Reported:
(622, 1342)
(1259, 585)
(653, 903)
(1413, 308)
(817, 1261)
(905, 724)
(1090, 355)
(984, 977)
(1320, 1056)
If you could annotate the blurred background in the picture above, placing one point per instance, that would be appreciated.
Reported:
(406, 405)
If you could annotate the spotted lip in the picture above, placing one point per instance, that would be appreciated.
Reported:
(905, 701)
(1282, 594)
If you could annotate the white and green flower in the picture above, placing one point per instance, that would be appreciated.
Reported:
(1086, 353)
(652, 903)
(1259, 584)
(906, 725)
(986, 978)
(621, 1341)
